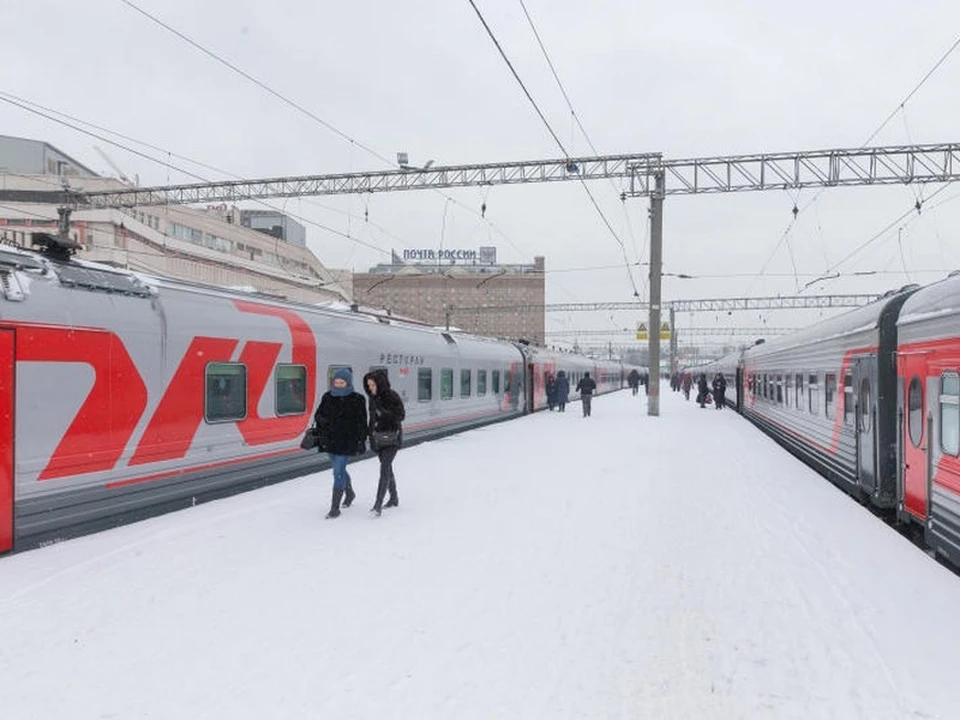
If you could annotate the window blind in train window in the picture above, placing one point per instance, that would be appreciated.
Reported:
(915, 411)
(425, 384)
(950, 413)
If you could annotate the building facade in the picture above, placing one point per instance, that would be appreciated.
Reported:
(34, 157)
(505, 301)
(200, 245)
(275, 224)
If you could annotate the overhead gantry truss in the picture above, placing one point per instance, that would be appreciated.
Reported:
(794, 302)
(682, 331)
(407, 178)
(730, 173)
(897, 165)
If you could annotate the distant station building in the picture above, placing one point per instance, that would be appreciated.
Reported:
(275, 224)
(220, 245)
(465, 288)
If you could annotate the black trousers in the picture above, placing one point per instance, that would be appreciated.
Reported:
(387, 479)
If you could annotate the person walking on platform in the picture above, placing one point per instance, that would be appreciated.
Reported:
(719, 390)
(687, 382)
(702, 389)
(341, 420)
(585, 387)
(633, 380)
(562, 390)
(551, 391)
(386, 433)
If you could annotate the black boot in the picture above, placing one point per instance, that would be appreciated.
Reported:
(335, 504)
(348, 495)
(381, 491)
(393, 500)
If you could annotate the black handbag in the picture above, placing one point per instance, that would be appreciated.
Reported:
(311, 439)
(385, 438)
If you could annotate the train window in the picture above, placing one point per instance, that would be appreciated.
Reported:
(950, 413)
(226, 392)
(847, 398)
(813, 394)
(465, 383)
(331, 371)
(424, 384)
(830, 395)
(779, 389)
(915, 410)
(446, 383)
(291, 389)
(496, 382)
(481, 382)
(788, 389)
(865, 405)
(799, 399)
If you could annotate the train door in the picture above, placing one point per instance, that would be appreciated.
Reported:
(915, 436)
(531, 387)
(7, 396)
(738, 386)
(866, 422)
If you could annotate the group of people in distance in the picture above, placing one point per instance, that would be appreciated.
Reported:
(558, 391)
(344, 426)
(684, 381)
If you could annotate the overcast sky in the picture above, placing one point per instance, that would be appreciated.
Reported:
(694, 78)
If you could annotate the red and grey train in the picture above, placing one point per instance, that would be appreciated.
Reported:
(871, 399)
(123, 396)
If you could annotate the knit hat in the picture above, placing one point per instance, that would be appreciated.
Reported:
(342, 374)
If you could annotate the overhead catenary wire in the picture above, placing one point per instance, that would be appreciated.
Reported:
(303, 110)
(49, 116)
(576, 118)
(178, 156)
(558, 141)
(900, 106)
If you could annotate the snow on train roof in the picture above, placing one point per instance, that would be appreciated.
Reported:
(859, 320)
(938, 300)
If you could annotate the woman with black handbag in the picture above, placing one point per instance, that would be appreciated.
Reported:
(342, 431)
(386, 432)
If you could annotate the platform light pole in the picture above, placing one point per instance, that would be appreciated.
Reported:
(656, 275)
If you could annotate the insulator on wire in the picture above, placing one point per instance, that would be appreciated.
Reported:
(483, 210)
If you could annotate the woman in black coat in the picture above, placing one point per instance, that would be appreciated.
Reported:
(386, 416)
(342, 431)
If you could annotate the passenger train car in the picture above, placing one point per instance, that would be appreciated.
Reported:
(871, 399)
(122, 396)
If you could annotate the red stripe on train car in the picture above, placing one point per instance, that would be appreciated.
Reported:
(7, 396)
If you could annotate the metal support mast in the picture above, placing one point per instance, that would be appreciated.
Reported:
(656, 274)
(673, 340)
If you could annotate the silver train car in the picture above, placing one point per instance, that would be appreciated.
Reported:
(123, 396)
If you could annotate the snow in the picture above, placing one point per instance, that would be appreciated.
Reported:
(618, 566)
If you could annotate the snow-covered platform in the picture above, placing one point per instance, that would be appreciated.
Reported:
(618, 566)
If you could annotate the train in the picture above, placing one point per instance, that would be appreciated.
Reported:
(871, 400)
(123, 396)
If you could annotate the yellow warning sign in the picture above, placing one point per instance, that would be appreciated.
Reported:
(665, 331)
(642, 332)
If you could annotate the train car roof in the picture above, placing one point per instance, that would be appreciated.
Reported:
(941, 299)
(858, 320)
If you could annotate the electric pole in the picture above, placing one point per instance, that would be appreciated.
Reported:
(656, 266)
